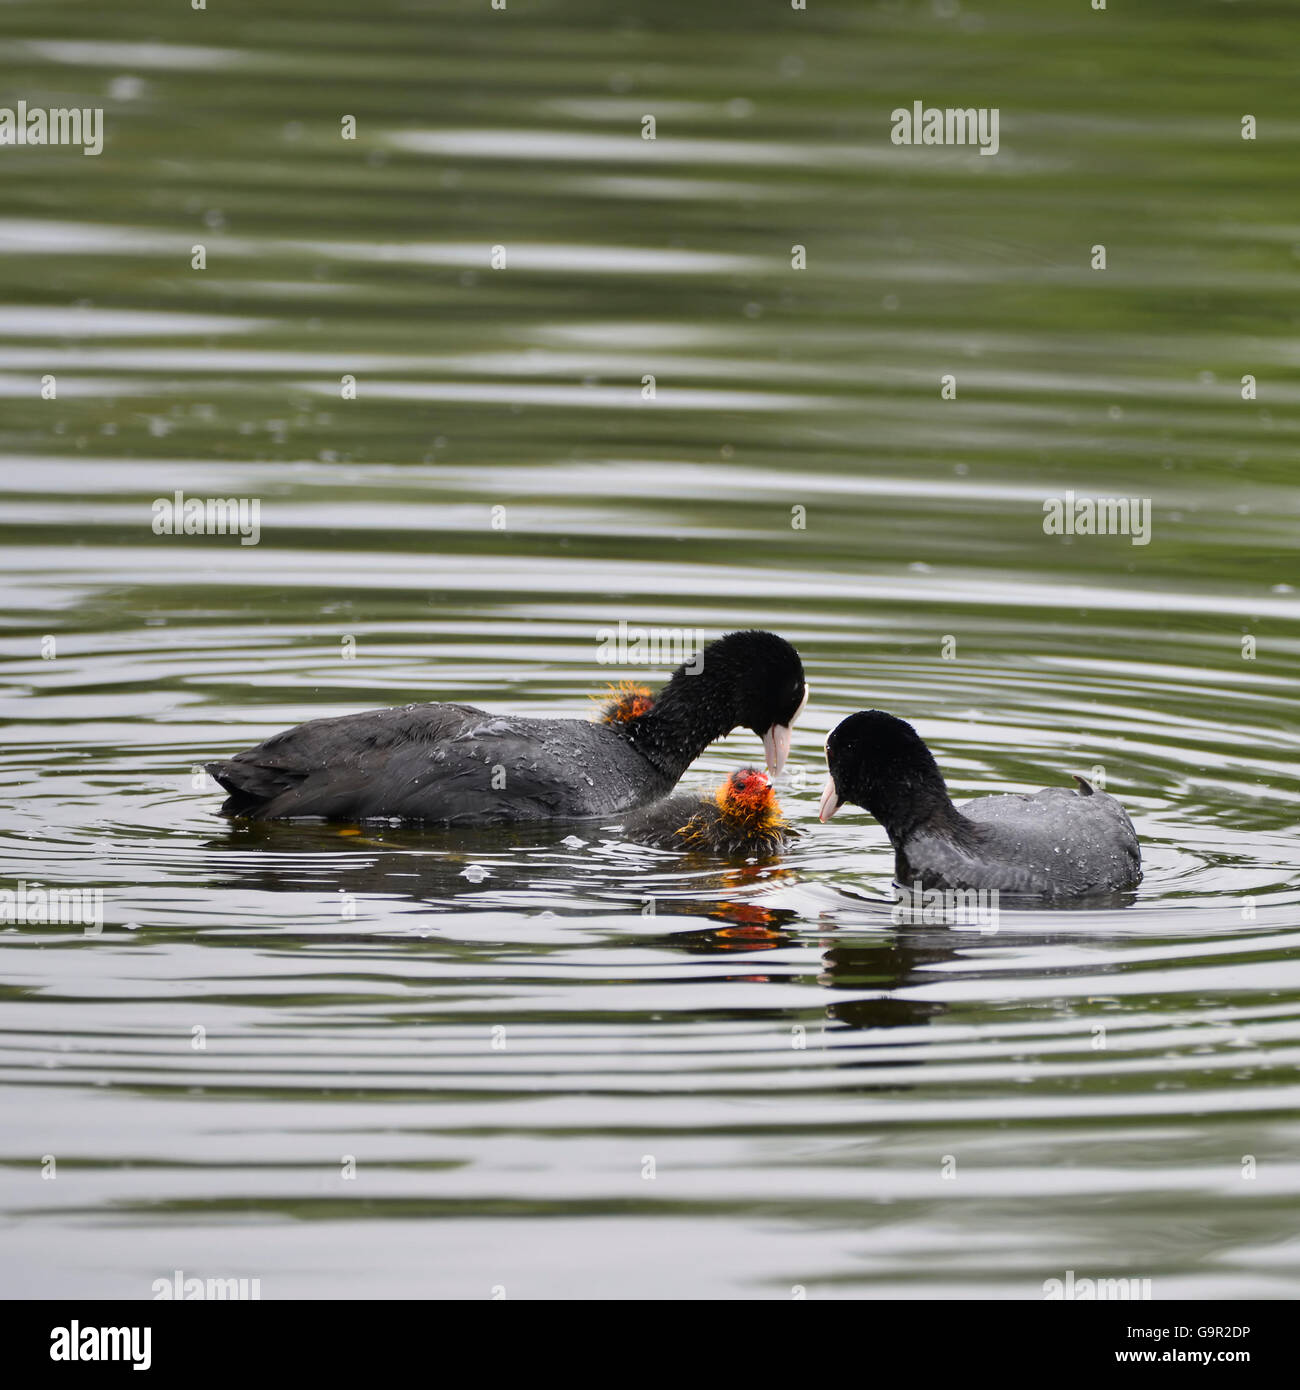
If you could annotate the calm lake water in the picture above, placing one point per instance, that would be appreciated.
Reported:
(561, 1066)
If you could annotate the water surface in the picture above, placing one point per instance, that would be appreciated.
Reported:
(551, 1062)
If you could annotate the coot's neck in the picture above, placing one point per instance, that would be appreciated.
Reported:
(917, 799)
(688, 714)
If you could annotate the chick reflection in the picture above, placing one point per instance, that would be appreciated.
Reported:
(745, 927)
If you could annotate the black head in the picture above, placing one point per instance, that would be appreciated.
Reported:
(762, 677)
(750, 680)
(881, 764)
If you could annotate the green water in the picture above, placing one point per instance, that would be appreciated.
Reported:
(502, 1031)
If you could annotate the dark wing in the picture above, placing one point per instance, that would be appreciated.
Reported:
(452, 764)
(326, 760)
(1056, 842)
(983, 861)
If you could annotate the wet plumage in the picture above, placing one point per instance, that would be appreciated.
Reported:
(1057, 843)
(741, 818)
(457, 765)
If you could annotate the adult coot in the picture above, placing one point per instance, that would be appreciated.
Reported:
(742, 818)
(1057, 843)
(457, 765)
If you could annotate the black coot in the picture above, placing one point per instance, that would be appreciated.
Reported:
(457, 765)
(1055, 844)
(740, 819)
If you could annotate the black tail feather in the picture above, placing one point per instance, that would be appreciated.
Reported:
(250, 785)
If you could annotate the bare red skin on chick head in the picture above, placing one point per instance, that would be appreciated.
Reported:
(748, 794)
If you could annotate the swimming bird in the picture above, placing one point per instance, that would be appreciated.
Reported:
(457, 765)
(1058, 843)
(740, 818)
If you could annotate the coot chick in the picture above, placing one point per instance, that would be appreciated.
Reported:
(1057, 843)
(742, 818)
(624, 701)
(457, 765)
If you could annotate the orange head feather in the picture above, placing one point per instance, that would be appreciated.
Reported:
(624, 701)
(748, 797)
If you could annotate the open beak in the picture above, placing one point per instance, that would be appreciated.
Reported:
(776, 747)
(830, 802)
(776, 742)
